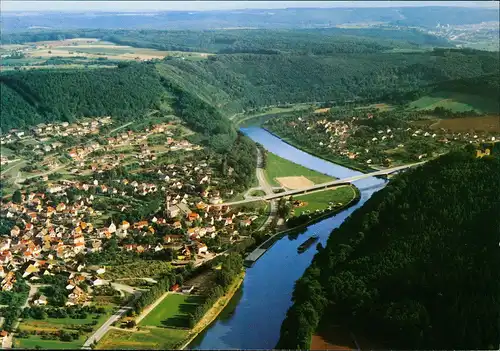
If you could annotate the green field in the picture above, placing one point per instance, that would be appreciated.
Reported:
(56, 324)
(322, 199)
(145, 339)
(173, 311)
(279, 167)
(35, 340)
(456, 102)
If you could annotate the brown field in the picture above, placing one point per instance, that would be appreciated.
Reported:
(484, 124)
(143, 54)
(295, 182)
(333, 339)
(322, 110)
(65, 42)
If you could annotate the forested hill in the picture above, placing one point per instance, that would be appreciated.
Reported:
(297, 41)
(417, 267)
(247, 81)
(228, 84)
(126, 93)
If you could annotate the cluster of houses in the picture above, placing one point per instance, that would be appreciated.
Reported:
(81, 128)
(338, 132)
(52, 229)
(49, 236)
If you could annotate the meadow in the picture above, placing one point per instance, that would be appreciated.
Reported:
(36, 341)
(279, 167)
(322, 199)
(173, 311)
(456, 102)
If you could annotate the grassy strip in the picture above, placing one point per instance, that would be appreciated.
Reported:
(280, 167)
(327, 157)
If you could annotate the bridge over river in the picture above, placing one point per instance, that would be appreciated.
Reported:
(322, 186)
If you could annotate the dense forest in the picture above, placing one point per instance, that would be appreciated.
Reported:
(32, 97)
(296, 41)
(416, 267)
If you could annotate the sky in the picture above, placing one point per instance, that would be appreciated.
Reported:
(131, 6)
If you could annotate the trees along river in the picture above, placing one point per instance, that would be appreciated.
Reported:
(253, 318)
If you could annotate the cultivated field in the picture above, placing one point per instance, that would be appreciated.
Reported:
(486, 124)
(278, 167)
(83, 53)
(456, 102)
(293, 183)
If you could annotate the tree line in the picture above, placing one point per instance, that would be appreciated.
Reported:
(416, 267)
(231, 267)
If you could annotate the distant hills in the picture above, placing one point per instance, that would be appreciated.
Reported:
(424, 17)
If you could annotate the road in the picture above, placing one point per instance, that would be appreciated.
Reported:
(318, 187)
(33, 290)
(17, 164)
(266, 187)
(120, 127)
(99, 333)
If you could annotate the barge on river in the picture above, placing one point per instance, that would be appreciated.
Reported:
(306, 244)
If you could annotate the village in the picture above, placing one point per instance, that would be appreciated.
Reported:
(362, 140)
(148, 193)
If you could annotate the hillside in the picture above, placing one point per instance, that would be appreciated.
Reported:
(298, 41)
(415, 268)
(227, 84)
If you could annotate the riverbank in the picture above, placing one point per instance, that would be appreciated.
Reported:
(330, 213)
(338, 161)
(214, 311)
(266, 245)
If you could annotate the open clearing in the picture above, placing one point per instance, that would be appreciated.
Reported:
(456, 102)
(83, 51)
(322, 110)
(295, 182)
(486, 123)
(277, 167)
(321, 200)
(173, 311)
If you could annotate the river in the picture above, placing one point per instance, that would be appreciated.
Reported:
(253, 318)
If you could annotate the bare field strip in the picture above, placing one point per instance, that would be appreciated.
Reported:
(293, 183)
(486, 123)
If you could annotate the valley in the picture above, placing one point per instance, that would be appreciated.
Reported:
(156, 184)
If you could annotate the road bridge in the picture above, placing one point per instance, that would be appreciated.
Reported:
(322, 186)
